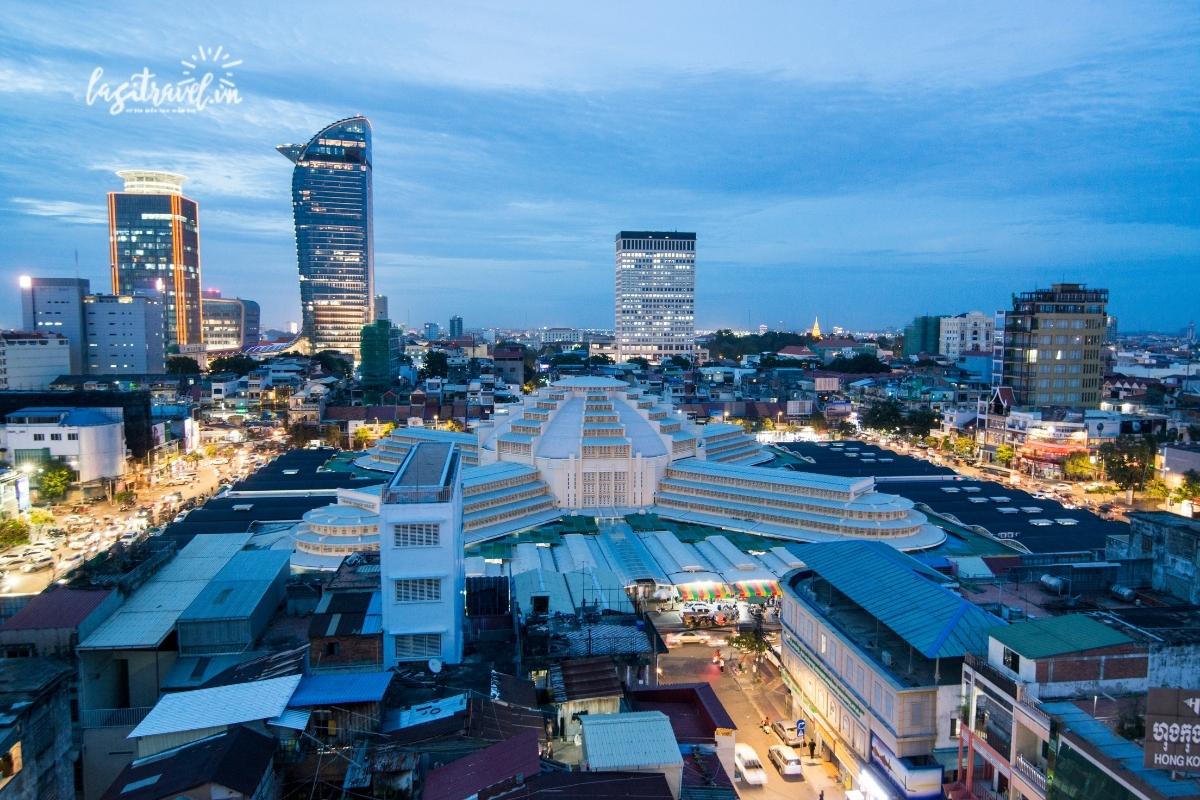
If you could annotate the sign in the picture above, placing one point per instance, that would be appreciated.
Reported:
(1172, 730)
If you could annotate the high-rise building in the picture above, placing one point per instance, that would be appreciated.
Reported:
(966, 333)
(55, 305)
(331, 204)
(381, 307)
(1052, 343)
(230, 323)
(32, 359)
(124, 335)
(380, 355)
(154, 246)
(655, 295)
(432, 331)
(456, 327)
(921, 335)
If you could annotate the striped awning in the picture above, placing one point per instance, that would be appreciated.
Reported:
(706, 590)
(757, 590)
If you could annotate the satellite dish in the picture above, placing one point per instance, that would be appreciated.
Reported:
(435, 665)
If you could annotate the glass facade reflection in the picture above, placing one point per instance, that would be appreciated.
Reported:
(154, 247)
(331, 204)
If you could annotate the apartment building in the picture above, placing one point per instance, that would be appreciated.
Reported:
(31, 360)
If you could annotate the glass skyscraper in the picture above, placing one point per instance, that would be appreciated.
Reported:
(154, 247)
(331, 203)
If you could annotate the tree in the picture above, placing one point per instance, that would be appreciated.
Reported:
(332, 435)
(125, 496)
(1189, 489)
(598, 360)
(639, 362)
(818, 422)
(1156, 490)
(1005, 454)
(844, 428)
(302, 433)
(1128, 462)
(964, 446)
(13, 532)
(333, 362)
(182, 365)
(922, 421)
(239, 364)
(752, 642)
(454, 425)
(362, 437)
(1193, 432)
(683, 362)
(434, 365)
(54, 482)
(40, 517)
(861, 363)
(1078, 466)
(884, 416)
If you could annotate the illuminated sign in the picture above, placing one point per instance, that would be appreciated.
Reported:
(1172, 730)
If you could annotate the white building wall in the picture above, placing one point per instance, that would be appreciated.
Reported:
(961, 334)
(33, 363)
(124, 335)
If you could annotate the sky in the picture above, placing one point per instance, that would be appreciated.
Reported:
(862, 163)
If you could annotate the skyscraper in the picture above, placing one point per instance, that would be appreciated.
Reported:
(381, 351)
(381, 307)
(456, 327)
(154, 246)
(331, 204)
(1051, 348)
(655, 295)
(55, 305)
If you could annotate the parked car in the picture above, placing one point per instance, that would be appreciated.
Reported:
(70, 562)
(748, 765)
(697, 607)
(687, 637)
(787, 733)
(1062, 487)
(38, 562)
(786, 761)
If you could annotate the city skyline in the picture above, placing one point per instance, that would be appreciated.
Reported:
(830, 169)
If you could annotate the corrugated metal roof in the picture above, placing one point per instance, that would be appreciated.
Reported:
(1052, 636)
(57, 608)
(217, 707)
(347, 687)
(896, 590)
(637, 740)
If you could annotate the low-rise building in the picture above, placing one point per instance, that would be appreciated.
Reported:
(31, 361)
(640, 741)
(91, 441)
(37, 758)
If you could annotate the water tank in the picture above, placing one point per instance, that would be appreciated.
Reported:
(1053, 584)
(1123, 593)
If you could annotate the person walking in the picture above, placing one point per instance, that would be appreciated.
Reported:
(812, 748)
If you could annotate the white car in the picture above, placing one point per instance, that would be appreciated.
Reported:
(70, 562)
(785, 760)
(38, 562)
(697, 607)
(749, 766)
(687, 637)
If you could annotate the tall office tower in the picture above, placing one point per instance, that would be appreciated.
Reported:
(456, 327)
(55, 305)
(154, 245)
(331, 204)
(655, 295)
(381, 307)
(432, 331)
(124, 335)
(1051, 353)
(965, 333)
(921, 335)
(381, 351)
(230, 323)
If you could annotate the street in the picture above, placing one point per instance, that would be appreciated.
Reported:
(748, 698)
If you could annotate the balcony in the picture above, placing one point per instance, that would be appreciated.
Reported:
(1031, 773)
(418, 494)
(999, 678)
(112, 717)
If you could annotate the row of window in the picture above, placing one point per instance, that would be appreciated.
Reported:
(56, 437)
(417, 534)
(418, 590)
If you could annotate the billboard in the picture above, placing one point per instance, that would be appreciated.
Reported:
(1172, 730)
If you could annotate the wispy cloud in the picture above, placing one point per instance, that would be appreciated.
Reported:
(65, 210)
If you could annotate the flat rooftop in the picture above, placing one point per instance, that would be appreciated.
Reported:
(854, 459)
(427, 464)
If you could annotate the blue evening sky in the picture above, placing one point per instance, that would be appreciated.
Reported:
(860, 162)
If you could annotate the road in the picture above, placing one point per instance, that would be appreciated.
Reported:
(747, 699)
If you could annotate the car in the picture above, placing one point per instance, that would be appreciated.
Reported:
(38, 562)
(787, 733)
(748, 765)
(687, 637)
(697, 607)
(786, 761)
(70, 562)
(11, 560)
(1062, 487)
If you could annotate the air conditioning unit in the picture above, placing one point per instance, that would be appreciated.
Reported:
(886, 657)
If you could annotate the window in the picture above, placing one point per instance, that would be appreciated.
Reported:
(417, 534)
(39, 437)
(418, 590)
(333, 648)
(954, 723)
(56, 437)
(1012, 660)
(72, 437)
(418, 645)
(824, 643)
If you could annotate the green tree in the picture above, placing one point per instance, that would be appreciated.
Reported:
(883, 416)
(54, 481)
(40, 518)
(683, 362)
(1128, 462)
(818, 422)
(1078, 466)
(238, 364)
(125, 496)
(964, 446)
(922, 421)
(639, 362)
(332, 435)
(362, 437)
(1188, 489)
(844, 428)
(13, 532)
(752, 642)
(861, 363)
(434, 365)
(1193, 433)
(600, 359)
(1005, 454)
(333, 362)
(1156, 490)
(182, 365)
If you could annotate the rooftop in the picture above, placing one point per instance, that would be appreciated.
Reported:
(217, 707)
(236, 759)
(59, 607)
(1056, 636)
(494, 765)
(635, 740)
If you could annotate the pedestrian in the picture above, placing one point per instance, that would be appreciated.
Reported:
(721, 664)
(812, 748)
(821, 795)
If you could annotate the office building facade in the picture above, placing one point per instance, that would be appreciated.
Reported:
(1051, 348)
(921, 335)
(380, 356)
(381, 307)
(230, 323)
(966, 333)
(154, 248)
(331, 205)
(31, 360)
(456, 327)
(55, 305)
(655, 295)
(124, 335)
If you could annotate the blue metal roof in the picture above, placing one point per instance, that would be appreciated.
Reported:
(902, 594)
(342, 687)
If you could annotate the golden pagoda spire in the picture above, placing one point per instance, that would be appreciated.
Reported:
(816, 329)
